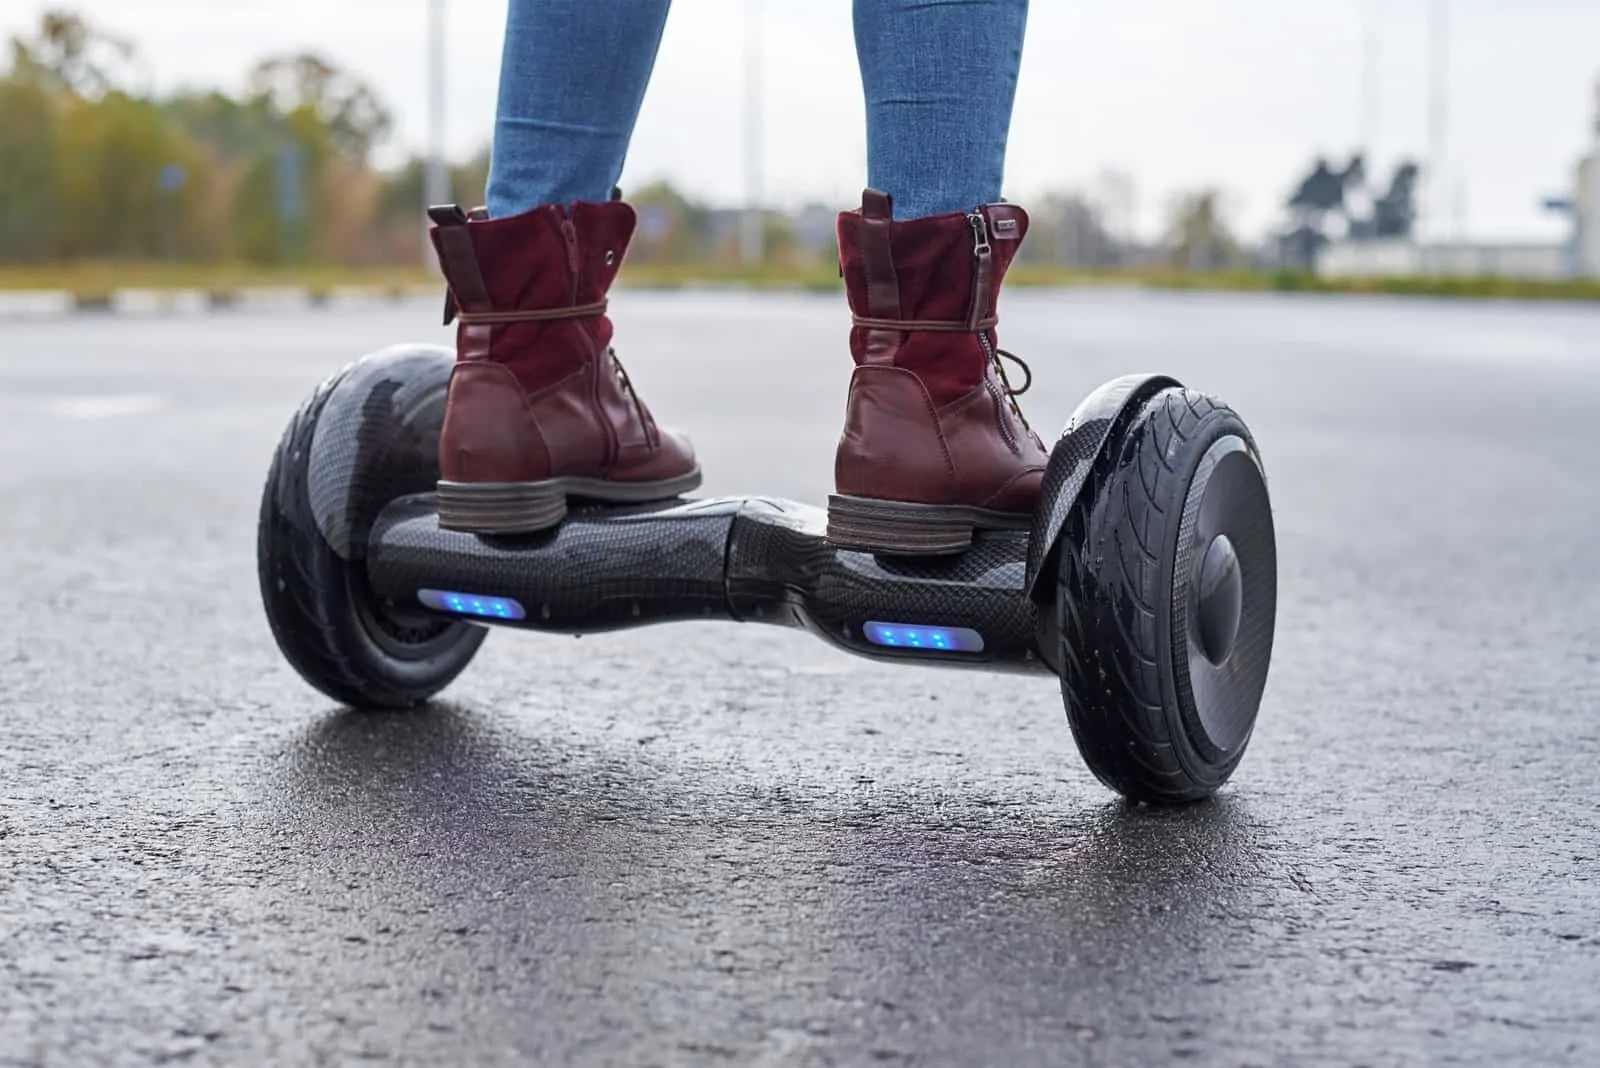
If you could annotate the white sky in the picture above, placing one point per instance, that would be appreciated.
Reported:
(1178, 93)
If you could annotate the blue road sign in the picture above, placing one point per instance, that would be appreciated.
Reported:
(173, 176)
(291, 182)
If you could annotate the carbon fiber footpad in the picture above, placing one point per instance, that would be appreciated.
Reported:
(781, 568)
(601, 569)
(747, 559)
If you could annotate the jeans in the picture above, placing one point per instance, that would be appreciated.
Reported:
(939, 78)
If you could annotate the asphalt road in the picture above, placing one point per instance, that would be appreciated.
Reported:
(704, 844)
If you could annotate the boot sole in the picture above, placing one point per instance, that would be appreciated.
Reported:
(530, 507)
(898, 528)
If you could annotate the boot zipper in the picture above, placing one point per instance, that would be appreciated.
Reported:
(980, 233)
(981, 252)
(1001, 403)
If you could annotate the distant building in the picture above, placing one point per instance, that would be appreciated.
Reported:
(1547, 261)
(1578, 256)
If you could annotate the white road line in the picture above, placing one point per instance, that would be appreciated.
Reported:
(104, 407)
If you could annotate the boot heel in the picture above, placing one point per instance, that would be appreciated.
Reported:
(898, 528)
(501, 507)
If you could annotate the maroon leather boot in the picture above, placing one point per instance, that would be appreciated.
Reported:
(540, 410)
(934, 446)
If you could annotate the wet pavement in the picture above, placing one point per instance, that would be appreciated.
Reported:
(703, 844)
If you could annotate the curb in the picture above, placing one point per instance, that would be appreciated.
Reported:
(54, 303)
(150, 302)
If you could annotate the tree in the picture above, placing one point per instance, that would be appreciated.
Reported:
(1070, 230)
(71, 55)
(29, 171)
(233, 127)
(1115, 199)
(1395, 213)
(117, 149)
(1198, 232)
(355, 117)
(671, 226)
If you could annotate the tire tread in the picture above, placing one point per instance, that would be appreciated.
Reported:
(1112, 669)
(304, 584)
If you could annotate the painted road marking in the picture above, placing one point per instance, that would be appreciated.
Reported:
(104, 407)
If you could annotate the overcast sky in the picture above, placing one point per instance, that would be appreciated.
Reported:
(1178, 93)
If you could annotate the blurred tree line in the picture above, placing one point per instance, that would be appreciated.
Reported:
(93, 168)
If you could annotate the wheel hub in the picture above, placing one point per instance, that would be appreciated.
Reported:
(1218, 591)
(1224, 596)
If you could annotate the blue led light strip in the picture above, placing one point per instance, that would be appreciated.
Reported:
(923, 638)
(472, 604)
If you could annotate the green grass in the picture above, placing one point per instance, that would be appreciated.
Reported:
(826, 277)
(89, 280)
(93, 281)
(806, 276)
(1301, 282)
(1466, 287)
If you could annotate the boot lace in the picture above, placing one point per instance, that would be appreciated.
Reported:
(1012, 393)
(627, 386)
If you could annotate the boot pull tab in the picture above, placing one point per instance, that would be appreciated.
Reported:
(569, 236)
(876, 204)
(447, 215)
(877, 255)
(464, 288)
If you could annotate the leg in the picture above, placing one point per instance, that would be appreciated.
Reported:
(540, 410)
(939, 78)
(572, 77)
(934, 446)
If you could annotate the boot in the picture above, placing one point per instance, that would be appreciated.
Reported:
(934, 446)
(540, 410)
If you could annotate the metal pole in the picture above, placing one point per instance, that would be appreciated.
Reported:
(436, 180)
(1371, 81)
(1438, 121)
(750, 236)
(1586, 203)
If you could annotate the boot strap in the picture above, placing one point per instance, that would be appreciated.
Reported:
(531, 315)
(935, 326)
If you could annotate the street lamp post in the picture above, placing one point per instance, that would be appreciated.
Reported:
(1588, 200)
(750, 235)
(1438, 121)
(436, 181)
(1371, 80)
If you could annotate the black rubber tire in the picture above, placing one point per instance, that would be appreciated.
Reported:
(1124, 677)
(324, 619)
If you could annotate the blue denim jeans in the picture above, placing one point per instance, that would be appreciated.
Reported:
(939, 78)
